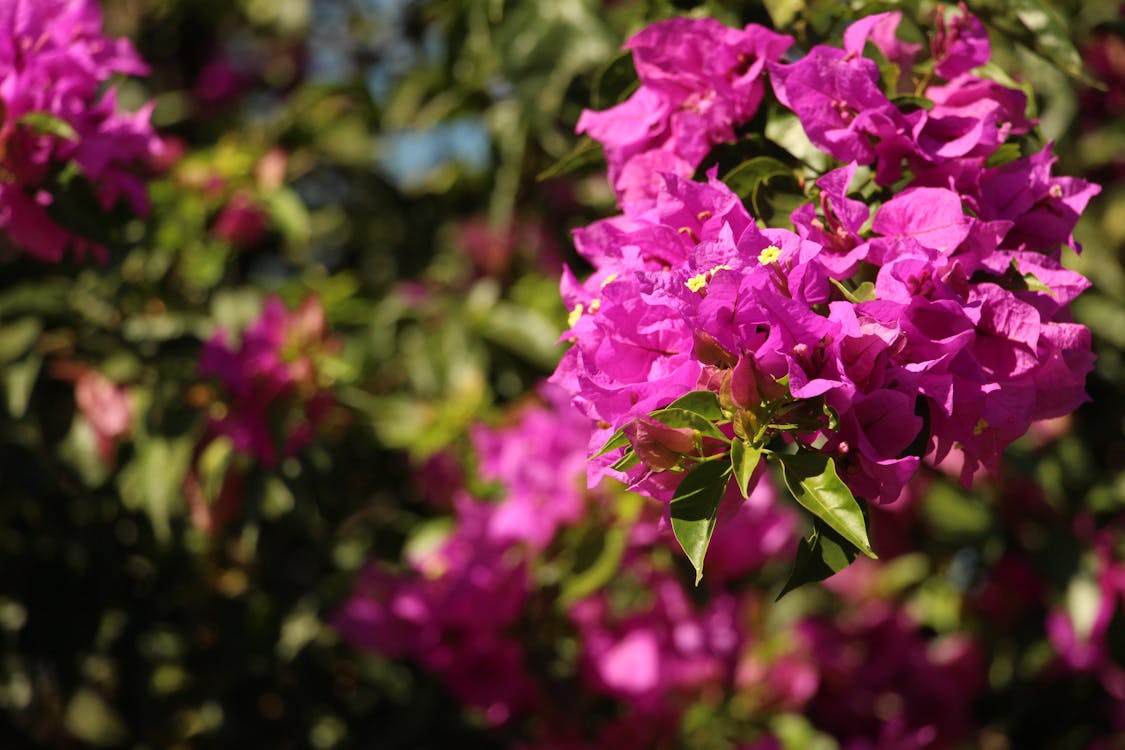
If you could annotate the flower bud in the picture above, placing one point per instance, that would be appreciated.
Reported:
(659, 445)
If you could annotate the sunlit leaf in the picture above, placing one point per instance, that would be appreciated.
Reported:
(703, 403)
(813, 481)
(744, 459)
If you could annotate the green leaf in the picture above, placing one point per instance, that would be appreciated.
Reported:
(19, 381)
(153, 481)
(43, 123)
(289, 215)
(615, 81)
(906, 101)
(1040, 27)
(1048, 35)
(627, 461)
(1006, 154)
(617, 440)
(586, 152)
(748, 178)
(590, 572)
(821, 556)
(744, 459)
(694, 508)
(17, 337)
(683, 418)
(703, 403)
(865, 292)
(813, 481)
(783, 12)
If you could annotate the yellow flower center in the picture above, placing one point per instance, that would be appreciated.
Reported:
(769, 255)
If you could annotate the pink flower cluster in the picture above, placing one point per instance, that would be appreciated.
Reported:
(456, 608)
(56, 109)
(908, 325)
(699, 81)
(272, 380)
(881, 685)
(461, 608)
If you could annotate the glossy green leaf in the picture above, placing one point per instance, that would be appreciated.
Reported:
(813, 481)
(617, 440)
(703, 403)
(744, 459)
(821, 556)
(694, 508)
(684, 418)
(626, 462)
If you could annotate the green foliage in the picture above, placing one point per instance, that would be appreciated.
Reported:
(694, 508)
(814, 483)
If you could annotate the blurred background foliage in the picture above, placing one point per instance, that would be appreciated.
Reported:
(385, 155)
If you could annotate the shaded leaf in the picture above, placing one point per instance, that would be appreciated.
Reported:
(748, 178)
(821, 556)
(909, 102)
(694, 508)
(586, 153)
(616, 80)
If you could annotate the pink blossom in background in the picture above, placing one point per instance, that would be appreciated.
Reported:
(273, 394)
(884, 686)
(54, 62)
(539, 461)
(242, 221)
(1079, 631)
(106, 407)
(656, 658)
(453, 610)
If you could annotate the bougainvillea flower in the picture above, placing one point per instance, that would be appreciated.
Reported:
(699, 80)
(274, 394)
(106, 407)
(54, 64)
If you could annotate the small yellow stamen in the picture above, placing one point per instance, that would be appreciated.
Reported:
(695, 283)
(575, 314)
(769, 255)
(609, 280)
(980, 426)
(703, 215)
(595, 305)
